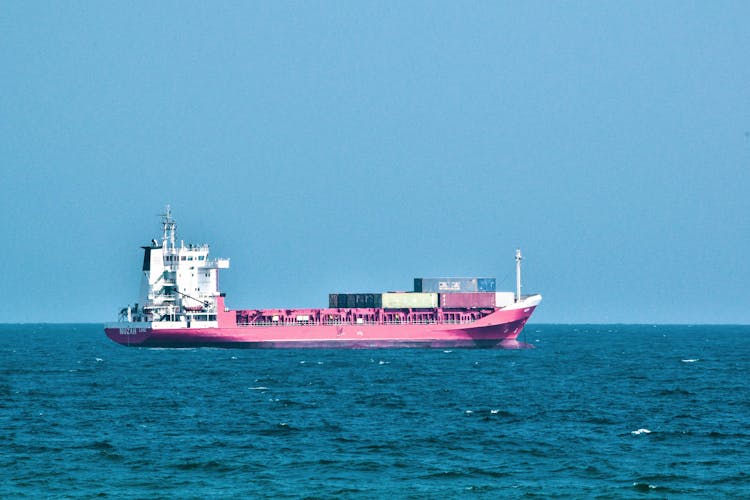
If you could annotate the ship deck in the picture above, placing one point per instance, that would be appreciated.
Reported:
(358, 316)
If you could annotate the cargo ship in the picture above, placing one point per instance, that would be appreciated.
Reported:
(180, 305)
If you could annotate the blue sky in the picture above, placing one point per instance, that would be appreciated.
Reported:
(351, 146)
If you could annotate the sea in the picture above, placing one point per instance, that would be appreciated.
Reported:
(592, 411)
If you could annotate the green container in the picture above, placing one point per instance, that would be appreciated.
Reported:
(409, 300)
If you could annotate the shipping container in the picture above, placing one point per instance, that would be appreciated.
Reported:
(467, 299)
(351, 300)
(453, 285)
(486, 284)
(389, 300)
(409, 300)
(333, 300)
(354, 300)
(365, 300)
(503, 299)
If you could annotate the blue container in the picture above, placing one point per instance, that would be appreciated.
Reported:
(454, 285)
(486, 285)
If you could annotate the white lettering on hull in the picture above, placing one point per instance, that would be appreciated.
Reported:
(132, 331)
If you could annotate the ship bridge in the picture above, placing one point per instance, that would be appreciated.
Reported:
(179, 281)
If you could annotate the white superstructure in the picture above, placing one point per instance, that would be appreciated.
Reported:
(180, 284)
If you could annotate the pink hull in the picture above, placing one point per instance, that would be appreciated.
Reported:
(497, 330)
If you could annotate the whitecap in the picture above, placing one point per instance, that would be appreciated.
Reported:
(447, 352)
(494, 412)
(469, 412)
(259, 388)
(98, 360)
(690, 360)
(384, 362)
(640, 431)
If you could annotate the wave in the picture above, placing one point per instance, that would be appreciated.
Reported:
(290, 403)
(209, 465)
(102, 445)
(644, 486)
(703, 433)
(280, 428)
(739, 479)
(498, 414)
(468, 472)
(676, 391)
(599, 420)
(347, 491)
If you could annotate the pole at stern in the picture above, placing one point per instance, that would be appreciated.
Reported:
(518, 274)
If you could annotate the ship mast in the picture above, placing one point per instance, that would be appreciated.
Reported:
(518, 274)
(169, 229)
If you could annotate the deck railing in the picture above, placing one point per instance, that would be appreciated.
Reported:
(407, 321)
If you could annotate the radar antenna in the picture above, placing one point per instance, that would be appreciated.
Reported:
(170, 227)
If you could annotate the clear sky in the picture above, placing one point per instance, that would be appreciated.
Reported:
(351, 146)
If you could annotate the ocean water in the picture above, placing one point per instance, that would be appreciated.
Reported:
(592, 412)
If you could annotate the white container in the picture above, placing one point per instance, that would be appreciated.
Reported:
(409, 300)
(503, 299)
